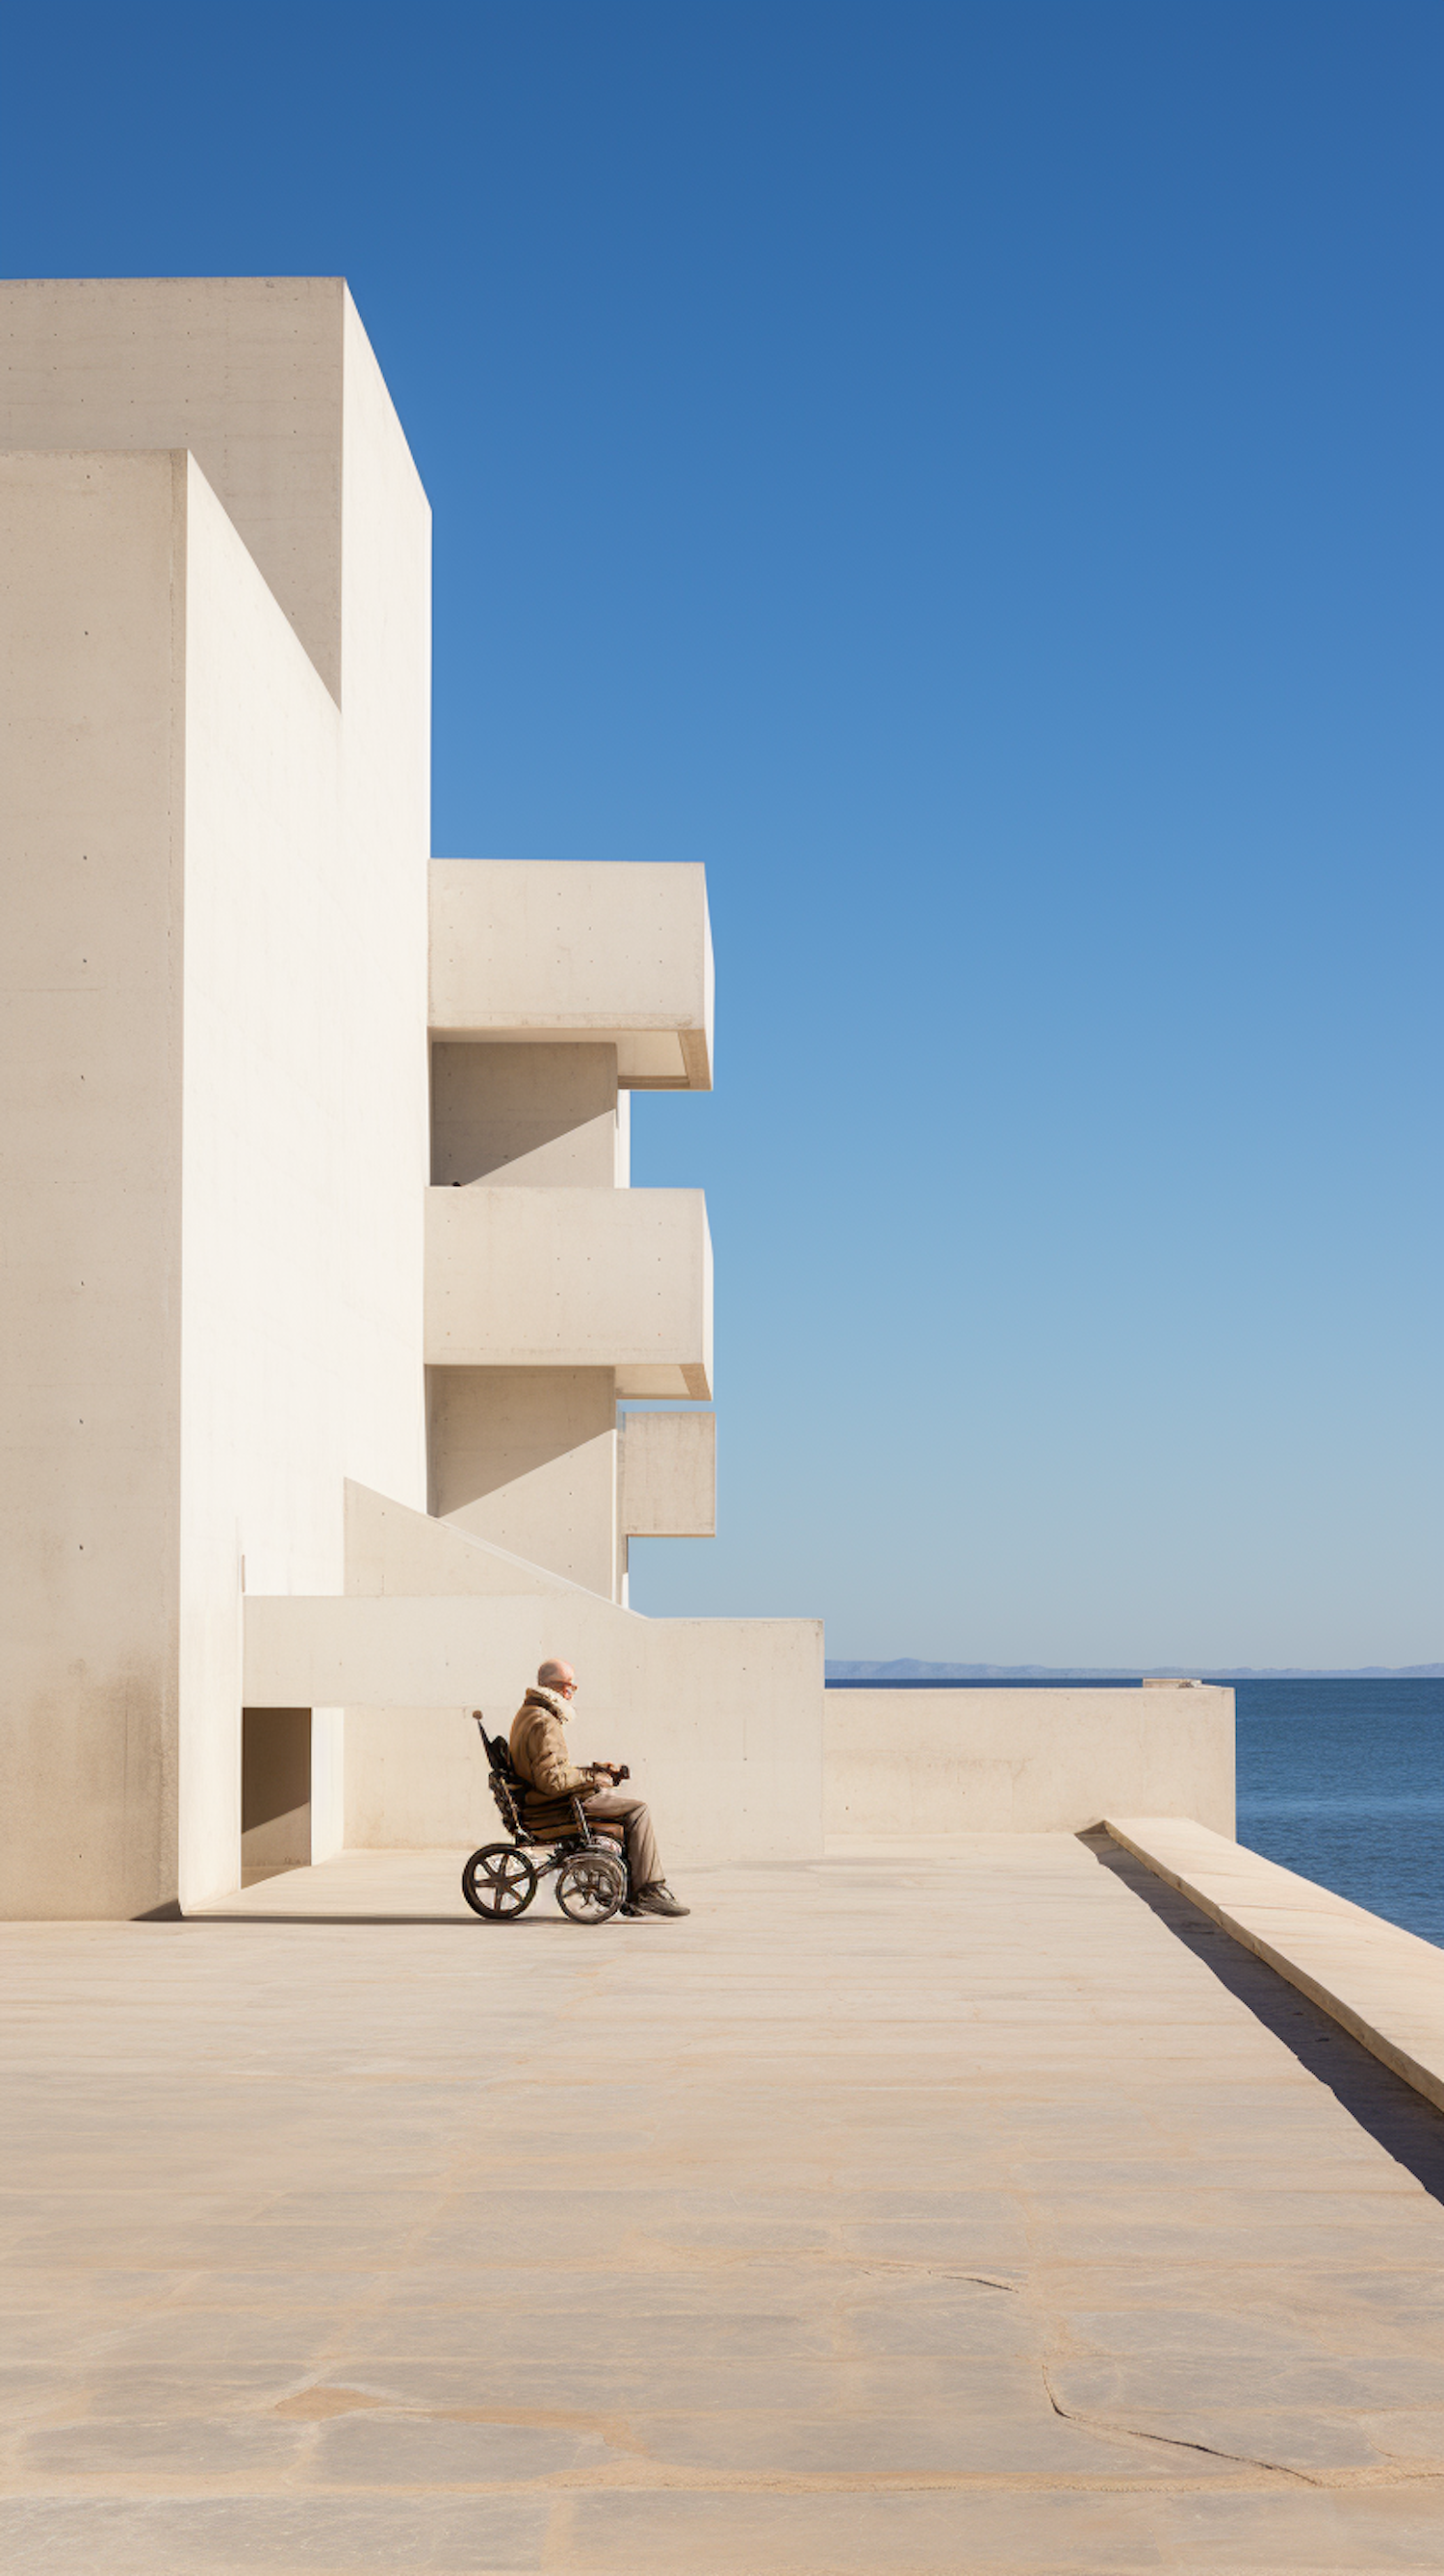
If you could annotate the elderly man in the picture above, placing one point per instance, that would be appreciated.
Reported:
(539, 1753)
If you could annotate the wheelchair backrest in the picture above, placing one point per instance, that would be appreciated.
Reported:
(495, 1747)
(505, 1781)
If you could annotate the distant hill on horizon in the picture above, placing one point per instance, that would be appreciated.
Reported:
(905, 1668)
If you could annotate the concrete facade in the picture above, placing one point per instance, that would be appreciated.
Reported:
(264, 1237)
(328, 1311)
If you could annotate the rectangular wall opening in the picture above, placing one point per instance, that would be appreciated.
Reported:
(275, 1792)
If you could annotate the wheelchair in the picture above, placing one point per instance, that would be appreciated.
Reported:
(590, 1869)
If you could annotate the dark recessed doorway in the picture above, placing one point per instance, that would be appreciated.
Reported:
(275, 1792)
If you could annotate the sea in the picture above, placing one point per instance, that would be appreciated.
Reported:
(1343, 1780)
(1339, 1778)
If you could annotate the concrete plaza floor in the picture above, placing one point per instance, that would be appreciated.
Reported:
(901, 2212)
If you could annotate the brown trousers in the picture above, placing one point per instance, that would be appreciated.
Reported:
(619, 1807)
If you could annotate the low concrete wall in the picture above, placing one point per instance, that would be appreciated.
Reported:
(1024, 1761)
(720, 1719)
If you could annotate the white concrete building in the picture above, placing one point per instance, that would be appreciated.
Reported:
(324, 1289)
(323, 1279)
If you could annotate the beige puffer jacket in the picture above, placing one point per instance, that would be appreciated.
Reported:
(539, 1747)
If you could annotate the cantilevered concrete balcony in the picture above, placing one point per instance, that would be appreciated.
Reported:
(572, 1278)
(605, 950)
(669, 1475)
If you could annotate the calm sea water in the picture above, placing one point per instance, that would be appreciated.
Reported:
(1344, 1781)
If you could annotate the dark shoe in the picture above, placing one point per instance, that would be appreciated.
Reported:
(656, 1899)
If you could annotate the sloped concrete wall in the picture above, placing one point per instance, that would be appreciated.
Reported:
(720, 1719)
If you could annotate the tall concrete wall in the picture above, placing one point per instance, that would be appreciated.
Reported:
(262, 1272)
(900, 1762)
(92, 635)
(305, 1082)
(242, 871)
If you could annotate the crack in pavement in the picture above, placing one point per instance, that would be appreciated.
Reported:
(1172, 2441)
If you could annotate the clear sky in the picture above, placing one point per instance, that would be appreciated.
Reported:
(970, 475)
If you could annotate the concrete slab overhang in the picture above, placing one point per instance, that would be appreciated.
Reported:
(669, 1475)
(617, 953)
(572, 1278)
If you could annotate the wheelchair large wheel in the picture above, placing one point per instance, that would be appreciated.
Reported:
(591, 1886)
(498, 1882)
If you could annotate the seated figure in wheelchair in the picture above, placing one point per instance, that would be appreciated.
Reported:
(575, 1814)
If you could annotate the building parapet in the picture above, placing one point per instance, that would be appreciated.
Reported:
(572, 1278)
(948, 1762)
(611, 951)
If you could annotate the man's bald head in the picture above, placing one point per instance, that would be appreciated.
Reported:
(553, 1675)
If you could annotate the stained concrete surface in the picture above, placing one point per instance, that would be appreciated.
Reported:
(891, 2213)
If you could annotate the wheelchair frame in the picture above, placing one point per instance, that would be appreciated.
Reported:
(562, 1849)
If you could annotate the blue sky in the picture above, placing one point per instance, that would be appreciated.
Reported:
(969, 475)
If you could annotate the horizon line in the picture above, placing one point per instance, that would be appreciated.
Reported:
(845, 1667)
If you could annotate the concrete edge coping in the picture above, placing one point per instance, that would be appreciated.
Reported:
(1383, 1985)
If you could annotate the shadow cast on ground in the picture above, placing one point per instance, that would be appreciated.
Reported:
(1404, 2124)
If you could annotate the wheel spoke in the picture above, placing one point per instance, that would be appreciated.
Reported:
(589, 1887)
(499, 1882)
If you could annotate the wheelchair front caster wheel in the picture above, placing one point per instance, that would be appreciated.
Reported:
(498, 1882)
(590, 1887)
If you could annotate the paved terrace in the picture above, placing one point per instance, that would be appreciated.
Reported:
(894, 2213)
